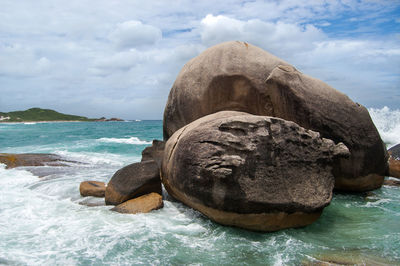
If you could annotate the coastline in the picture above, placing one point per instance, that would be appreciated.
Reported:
(54, 121)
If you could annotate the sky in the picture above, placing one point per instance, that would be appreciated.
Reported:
(120, 58)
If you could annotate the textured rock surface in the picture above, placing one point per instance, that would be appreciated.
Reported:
(31, 159)
(241, 77)
(154, 152)
(133, 181)
(92, 188)
(255, 172)
(142, 204)
(394, 161)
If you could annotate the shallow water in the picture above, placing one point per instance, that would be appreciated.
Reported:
(42, 222)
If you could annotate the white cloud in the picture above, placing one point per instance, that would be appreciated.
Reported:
(131, 34)
(279, 38)
(133, 51)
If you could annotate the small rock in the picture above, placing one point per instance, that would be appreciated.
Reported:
(92, 188)
(132, 181)
(142, 204)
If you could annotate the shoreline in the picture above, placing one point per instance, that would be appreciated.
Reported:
(54, 121)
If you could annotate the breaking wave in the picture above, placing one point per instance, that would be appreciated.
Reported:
(131, 140)
(387, 122)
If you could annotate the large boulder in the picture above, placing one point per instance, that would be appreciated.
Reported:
(256, 172)
(133, 181)
(142, 204)
(242, 77)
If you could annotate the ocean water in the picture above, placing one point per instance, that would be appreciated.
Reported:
(43, 223)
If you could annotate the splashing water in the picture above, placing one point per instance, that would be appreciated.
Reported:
(388, 124)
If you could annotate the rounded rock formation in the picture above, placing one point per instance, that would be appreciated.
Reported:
(255, 172)
(241, 77)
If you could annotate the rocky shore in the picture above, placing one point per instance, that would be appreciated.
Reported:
(251, 142)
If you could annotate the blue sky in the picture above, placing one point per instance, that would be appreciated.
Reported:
(120, 58)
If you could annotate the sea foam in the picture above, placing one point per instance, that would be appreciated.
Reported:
(387, 122)
(131, 140)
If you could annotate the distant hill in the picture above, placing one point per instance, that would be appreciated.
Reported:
(38, 114)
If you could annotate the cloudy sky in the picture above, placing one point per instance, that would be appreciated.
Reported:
(120, 58)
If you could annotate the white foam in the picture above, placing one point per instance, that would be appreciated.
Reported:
(93, 158)
(131, 140)
(387, 122)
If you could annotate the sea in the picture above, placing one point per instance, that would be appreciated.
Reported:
(44, 220)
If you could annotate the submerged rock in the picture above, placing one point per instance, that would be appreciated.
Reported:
(92, 188)
(242, 77)
(349, 257)
(12, 160)
(255, 172)
(133, 181)
(142, 204)
(92, 202)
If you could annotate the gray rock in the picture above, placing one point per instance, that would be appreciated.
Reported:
(133, 181)
(241, 77)
(154, 152)
(255, 172)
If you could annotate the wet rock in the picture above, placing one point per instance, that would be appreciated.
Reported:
(394, 161)
(154, 152)
(392, 183)
(92, 188)
(241, 77)
(255, 172)
(133, 181)
(12, 160)
(142, 204)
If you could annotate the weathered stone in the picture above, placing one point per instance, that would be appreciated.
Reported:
(394, 161)
(241, 77)
(133, 181)
(255, 172)
(92, 188)
(12, 160)
(154, 152)
(142, 204)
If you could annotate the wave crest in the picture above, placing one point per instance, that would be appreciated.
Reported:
(131, 140)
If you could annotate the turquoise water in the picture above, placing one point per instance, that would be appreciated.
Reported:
(42, 222)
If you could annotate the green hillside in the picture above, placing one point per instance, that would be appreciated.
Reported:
(38, 114)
